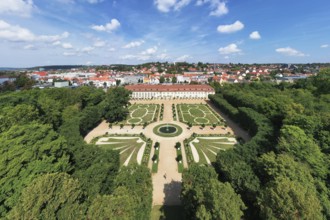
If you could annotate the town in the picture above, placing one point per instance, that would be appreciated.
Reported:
(160, 73)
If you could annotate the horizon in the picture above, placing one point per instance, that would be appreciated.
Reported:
(102, 32)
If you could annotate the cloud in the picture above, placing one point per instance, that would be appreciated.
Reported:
(288, 51)
(167, 5)
(70, 54)
(231, 28)
(183, 58)
(109, 27)
(67, 46)
(29, 47)
(133, 44)
(163, 56)
(230, 49)
(150, 51)
(99, 43)
(87, 49)
(255, 35)
(16, 7)
(16, 33)
(218, 7)
(94, 1)
(324, 46)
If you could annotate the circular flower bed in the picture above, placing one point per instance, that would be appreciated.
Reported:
(167, 130)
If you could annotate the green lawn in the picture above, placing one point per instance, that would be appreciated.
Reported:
(198, 114)
(167, 212)
(141, 113)
(128, 147)
(208, 147)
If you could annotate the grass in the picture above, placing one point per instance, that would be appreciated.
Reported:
(177, 133)
(141, 113)
(198, 114)
(167, 212)
(207, 147)
(127, 147)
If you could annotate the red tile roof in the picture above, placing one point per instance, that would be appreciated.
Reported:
(170, 88)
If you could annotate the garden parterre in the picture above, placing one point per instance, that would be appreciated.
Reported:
(198, 114)
(131, 148)
(204, 149)
(142, 113)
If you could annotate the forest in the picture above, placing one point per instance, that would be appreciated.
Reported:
(283, 171)
(47, 171)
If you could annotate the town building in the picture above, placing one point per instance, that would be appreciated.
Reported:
(175, 91)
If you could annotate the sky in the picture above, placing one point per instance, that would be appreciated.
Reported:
(104, 32)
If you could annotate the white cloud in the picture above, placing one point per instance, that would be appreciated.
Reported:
(181, 4)
(111, 49)
(128, 57)
(29, 47)
(109, 27)
(16, 7)
(168, 5)
(230, 49)
(87, 49)
(99, 43)
(163, 56)
(56, 43)
(16, 33)
(150, 51)
(218, 7)
(324, 46)
(94, 1)
(288, 51)
(68, 54)
(67, 46)
(231, 27)
(133, 44)
(255, 35)
(52, 38)
(183, 58)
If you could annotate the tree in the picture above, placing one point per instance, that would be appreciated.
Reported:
(294, 141)
(286, 199)
(116, 103)
(168, 80)
(204, 197)
(174, 80)
(118, 81)
(28, 151)
(161, 79)
(50, 196)
(137, 180)
(177, 145)
(18, 115)
(119, 205)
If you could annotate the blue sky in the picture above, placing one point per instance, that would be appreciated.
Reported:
(54, 32)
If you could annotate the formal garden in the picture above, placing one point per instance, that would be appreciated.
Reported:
(203, 149)
(140, 114)
(198, 114)
(133, 149)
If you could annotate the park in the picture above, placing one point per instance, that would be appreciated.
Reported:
(186, 132)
